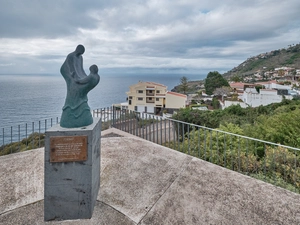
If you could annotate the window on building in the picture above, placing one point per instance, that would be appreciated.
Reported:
(129, 102)
(135, 108)
(140, 91)
(157, 99)
(130, 97)
(150, 98)
(157, 91)
(150, 91)
(140, 99)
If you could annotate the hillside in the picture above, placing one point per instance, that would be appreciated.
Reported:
(289, 57)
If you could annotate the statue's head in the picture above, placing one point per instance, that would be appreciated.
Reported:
(80, 50)
(94, 69)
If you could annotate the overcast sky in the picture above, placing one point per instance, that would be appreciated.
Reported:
(184, 36)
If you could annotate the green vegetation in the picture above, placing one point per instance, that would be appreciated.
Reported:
(183, 87)
(277, 123)
(293, 58)
(35, 140)
(214, 80)
(267, 61)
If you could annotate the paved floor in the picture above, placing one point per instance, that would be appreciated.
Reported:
(144, 183)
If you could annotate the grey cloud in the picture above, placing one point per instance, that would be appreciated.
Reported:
(45, 18)
(150, 34)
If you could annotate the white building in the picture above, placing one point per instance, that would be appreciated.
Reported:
(265, 97)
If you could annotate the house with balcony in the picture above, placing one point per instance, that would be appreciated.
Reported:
(151, 97)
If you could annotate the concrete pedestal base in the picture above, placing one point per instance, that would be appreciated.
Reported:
(72, 171)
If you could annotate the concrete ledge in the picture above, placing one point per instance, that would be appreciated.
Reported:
(21, 179)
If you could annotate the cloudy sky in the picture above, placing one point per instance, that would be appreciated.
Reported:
(163, 36)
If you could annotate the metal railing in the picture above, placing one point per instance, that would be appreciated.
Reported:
(24, 137)
(28, 136)
(274, 163)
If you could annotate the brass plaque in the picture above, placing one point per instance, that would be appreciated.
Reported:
(68, 148)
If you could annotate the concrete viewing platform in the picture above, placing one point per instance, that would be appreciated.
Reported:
(145, 183)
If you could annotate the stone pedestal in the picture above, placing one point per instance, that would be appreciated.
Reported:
(72, 171)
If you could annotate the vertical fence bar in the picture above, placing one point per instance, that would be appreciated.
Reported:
(274, 168)
(174, 143)
(156, 130)
(178, 136)
(231, 155)
(114, 116)
(170, 133)
(126, 122)
(224, 150)
(40, 133)
(153, 129)
(146, 126)
(121, 120)
(165, 131)
(247, 157)
(161, 132)
(295, 174)
(26, 136)
(239, 154)
(205, 145)
(19, 137)
(284, 163)
(265, 159)
(188, 133)
(129, 123)
(11, 132)
(150, 138)
(199, 148)
(3, 136)
(142, 125)
(32, 135)
(210, 146)
(218, 152)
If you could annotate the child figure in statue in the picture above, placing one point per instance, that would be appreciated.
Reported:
(76, 111)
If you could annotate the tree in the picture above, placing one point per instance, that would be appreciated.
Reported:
(236, 78)
(184, 87)
(214, 80)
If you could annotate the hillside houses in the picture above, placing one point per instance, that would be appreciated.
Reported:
(281, 74)
(253, 94)
(259, 93)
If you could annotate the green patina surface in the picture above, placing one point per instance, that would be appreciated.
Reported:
(76, 111)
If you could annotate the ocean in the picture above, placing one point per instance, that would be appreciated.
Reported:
(32, 98)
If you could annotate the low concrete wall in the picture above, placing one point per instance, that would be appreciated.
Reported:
(21, 179)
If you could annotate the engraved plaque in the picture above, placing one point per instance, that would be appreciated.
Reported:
(68, 148)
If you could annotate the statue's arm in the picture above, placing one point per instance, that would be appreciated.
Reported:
(84, 80)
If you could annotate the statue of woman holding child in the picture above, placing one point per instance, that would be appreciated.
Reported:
(76, 111)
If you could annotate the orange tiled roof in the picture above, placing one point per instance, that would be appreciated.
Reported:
(157, 84)
(177, 94)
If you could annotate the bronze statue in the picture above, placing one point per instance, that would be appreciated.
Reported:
(76, 111)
